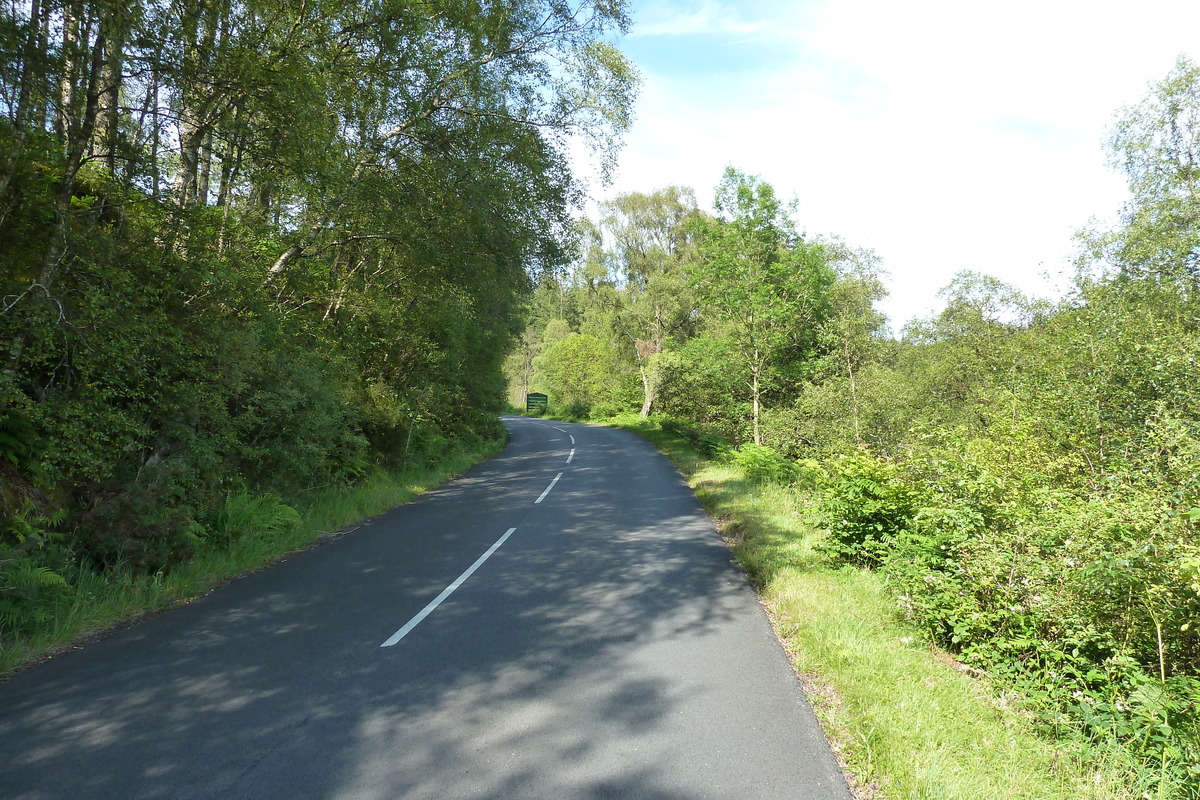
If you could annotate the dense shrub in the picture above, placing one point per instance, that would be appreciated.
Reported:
(1084, 597)
(576, 410)
(702, 384)
(867, 506)
(146, 525)
(156, 379)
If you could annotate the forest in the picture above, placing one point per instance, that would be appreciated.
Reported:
(256, 249)
(1021, 473)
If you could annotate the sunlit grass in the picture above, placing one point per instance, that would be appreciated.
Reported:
(906, 720)
(99, 601)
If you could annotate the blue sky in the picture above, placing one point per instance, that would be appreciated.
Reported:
(943, 134)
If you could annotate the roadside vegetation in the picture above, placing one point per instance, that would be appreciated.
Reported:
(253, 530)
(906, 718)
(1000, 504)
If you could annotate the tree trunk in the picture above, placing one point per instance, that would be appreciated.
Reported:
(756, 368)
(190, 135)
(853, 394)
(66, 78)
(756, 412)
(140, 133)
(647, 392)
(155, 137)
(202, 179)
(231, 165)
(196, 101)
(41, 96)
(81, 134)
(231, 160)
(646, 350)
(31, 74)
(104, 141)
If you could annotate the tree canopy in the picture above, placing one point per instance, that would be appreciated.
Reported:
(269, 246)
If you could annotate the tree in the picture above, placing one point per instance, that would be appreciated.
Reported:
(536, 66)
(1156, 143)
(970, 351)
(576, 370)
(519, 365)
(758, 275)
(849, 334)
(654, 247)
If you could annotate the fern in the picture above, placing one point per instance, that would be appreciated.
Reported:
(29, 585)
(245, 515)
(764, 465)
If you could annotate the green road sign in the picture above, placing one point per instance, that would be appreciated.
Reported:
(536, 400)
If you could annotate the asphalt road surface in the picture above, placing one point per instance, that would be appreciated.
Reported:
(606, 648)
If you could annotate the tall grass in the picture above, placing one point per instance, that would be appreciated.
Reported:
(906, 721)
(258, 531)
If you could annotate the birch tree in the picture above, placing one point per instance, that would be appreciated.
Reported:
(654, 248)
(758, 276)
(1156, 143)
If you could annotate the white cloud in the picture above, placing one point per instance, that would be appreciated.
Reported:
(662, 18)
(945, 135)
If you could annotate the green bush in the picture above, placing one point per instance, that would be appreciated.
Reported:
(1084, 597)
(764, 465)
(810, 474)
(866, 506)
(698, 383)
(19, 441)
(144, 526)
(576, 410)
(608, 408)
(294, 429)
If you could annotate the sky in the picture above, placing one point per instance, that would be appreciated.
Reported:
(945, 135)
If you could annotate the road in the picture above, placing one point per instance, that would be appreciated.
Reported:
(607, 648)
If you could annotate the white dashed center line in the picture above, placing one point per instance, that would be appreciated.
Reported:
(548, 488)
(449, 590)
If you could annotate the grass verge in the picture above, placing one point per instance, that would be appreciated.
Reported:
(906, 721)
(99, 602)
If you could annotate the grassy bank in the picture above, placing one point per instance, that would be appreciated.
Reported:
(99, 601)
(906, 720)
